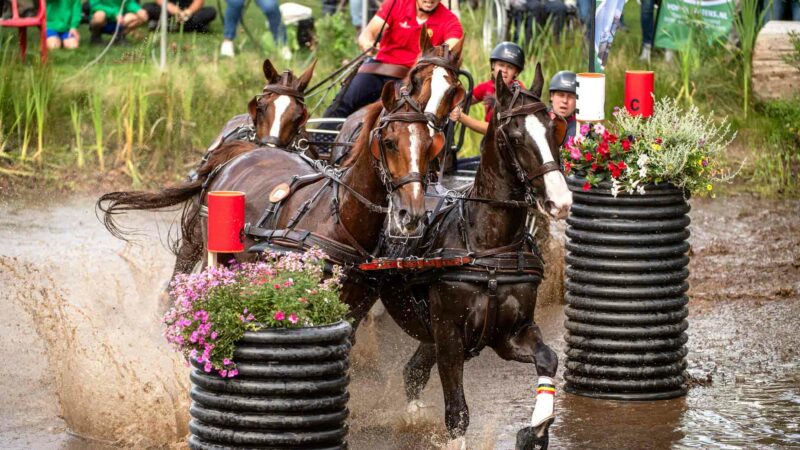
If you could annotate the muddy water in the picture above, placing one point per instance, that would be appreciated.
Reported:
(85, 365)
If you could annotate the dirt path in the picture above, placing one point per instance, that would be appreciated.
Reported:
(84, 355)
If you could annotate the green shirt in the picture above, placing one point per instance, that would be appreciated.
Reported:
(63, 15)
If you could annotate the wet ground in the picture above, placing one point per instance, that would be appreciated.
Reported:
(84, 364)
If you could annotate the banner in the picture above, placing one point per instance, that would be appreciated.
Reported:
(606, 23)
(674, 15)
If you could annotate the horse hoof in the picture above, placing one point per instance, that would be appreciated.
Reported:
(459, 443)
(530, 438)
(414, 412)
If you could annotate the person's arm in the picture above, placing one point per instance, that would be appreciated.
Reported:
(473, 124)
(172, 8)
(370, 32)
(193, 8)
(75, 19)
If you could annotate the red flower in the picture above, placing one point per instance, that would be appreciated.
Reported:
(659, 141)
(567, 167)
(615, 172)
(609, 137)
(602, 149)
(587, 156)
(621, 165)
(586, 186)
(594, 166)
(626, 145)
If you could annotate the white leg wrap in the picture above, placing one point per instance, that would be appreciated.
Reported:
(459, 443)
(545, 398)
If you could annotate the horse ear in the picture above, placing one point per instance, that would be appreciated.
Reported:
(501, 90)
(252, 108)
(538, 81)
(270, 73)
(305, 78)
(388, 98)
(437, 145)
(559, 130)
(424, 39)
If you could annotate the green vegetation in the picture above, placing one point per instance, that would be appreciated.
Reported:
(121, 114)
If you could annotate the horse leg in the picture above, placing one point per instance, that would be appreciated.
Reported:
(527, 346)
(450, 362)
(359, 297)
(416, 374)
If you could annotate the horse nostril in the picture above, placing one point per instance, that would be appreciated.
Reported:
(402, 214)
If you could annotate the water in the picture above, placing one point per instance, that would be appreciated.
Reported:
(83, 354)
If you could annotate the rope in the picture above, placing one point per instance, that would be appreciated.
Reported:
(102, 53)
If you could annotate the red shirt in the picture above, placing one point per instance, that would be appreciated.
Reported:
(400, 41)
(484, 90)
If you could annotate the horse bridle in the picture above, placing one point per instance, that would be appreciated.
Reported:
(504, 118)
(416, 115)
(444, 62)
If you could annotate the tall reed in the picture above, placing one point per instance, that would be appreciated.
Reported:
(96, 108)
(75, 118)
(747, 25)
(41, 89)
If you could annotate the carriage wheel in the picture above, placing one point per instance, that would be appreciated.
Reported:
(494, 23)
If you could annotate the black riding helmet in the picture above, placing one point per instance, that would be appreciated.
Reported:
(563, 81)
(508, 52)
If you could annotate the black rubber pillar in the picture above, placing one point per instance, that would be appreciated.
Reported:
(291, 393)
(626, 293)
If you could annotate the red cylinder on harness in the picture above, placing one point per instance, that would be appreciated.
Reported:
(226, 221)
(639, 92)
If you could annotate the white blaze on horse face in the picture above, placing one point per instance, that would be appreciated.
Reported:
(439, 86)
(281, 104)
(415, 144)
(556, 187)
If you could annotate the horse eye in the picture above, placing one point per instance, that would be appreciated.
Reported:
(389, 144)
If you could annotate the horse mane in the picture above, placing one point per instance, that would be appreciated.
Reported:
(362, 143)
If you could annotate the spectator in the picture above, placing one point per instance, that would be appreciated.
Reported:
(782, 9)
(233, 14)
(563, 98)
(647, 18)
(106, 15)
(398, 51)
(507, 59)
(541, 10)
(63, 18)
(191, 13)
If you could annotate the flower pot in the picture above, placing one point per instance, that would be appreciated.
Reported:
(626, 293)
(290, 393)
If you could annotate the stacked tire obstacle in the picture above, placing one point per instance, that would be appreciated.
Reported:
(290, 393)
(626, 293)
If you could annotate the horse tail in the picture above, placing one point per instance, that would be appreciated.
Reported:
(114, 203)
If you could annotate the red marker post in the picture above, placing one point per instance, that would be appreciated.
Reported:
(639, 86)
(225, 223)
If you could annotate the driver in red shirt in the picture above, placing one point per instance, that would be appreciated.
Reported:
(398, 49)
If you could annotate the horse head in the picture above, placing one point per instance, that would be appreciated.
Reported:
(529, 139)
(434, 79)
(403, 148)
(279, 111)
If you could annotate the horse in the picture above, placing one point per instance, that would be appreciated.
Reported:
(433, 82)
(275, 118)
(294, 203)
(488, 296)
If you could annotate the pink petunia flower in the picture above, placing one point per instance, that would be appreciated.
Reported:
(293, 318)
(279, 315)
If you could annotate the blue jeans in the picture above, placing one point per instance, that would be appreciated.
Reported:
(584, 11)
(780, 8)
(233, 13)
(647, 17)
(355, 12)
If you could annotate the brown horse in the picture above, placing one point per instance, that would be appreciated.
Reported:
(335, 208)
(489, 301)
(432, 82)
(275, 117)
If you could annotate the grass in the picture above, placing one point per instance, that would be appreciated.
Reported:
(121, 114)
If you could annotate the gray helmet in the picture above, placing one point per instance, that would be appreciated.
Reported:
(563, 81)
(508, 52)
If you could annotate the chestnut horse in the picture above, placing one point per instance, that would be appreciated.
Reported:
(337, 208)
(432, 82)
(275, 118)
(490, 300)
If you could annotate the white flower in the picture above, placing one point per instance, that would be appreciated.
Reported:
(643, 160)
(640, 189)
(615, 185)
